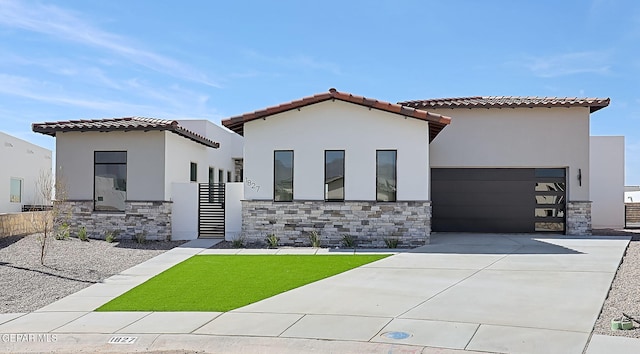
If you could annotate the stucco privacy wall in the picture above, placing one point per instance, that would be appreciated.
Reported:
(23, 160)
(145, 161)
(606, 154)
(517, 137)
(337, 125)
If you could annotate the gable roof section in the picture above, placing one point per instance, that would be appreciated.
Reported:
(594, 104)
(436, 121)
(121, 124)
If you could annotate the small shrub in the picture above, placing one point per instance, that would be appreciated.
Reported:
(238, 241)
(111, 236)
(391, 242)
(82, 234)
(348, 241)
(63, 232)
(141, 237)
(272, 240)
(314, 238)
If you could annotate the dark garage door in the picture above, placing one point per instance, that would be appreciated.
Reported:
(498, 199)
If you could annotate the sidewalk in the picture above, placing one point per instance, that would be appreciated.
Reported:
(458, 294)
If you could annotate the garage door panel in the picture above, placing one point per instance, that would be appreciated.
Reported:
(466, 187)
(489, 200)
(484, 225)
(484, 199)
(480, 174)
(487, 212)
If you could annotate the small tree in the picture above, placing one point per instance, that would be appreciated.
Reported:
(47, 221)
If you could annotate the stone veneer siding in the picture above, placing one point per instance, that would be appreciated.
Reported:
(17, 224)
(579, 218)
(152, 217)
(369, 222)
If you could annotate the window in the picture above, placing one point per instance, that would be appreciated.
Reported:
(334, 175)
(211, 175)
(386, 175)
(220, 176)
(110, 180)
(228, 176)
(15, 190)
(283, 176)
(193, 172)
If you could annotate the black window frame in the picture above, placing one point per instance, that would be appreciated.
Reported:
(212, 175)
(275, 152)
(229, 177)
(106, 162)
(326, 199)
(193, 171)
(395, 175)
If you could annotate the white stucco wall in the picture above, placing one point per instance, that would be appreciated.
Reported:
(231, 145)
(145, 161)
(607, 181)
(22, 160)
(234, 194)
(184, 211)
(337, 125)
(517, 137)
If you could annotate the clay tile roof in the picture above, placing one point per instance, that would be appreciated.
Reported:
(121, 124)
(508, 102)
(436, 121)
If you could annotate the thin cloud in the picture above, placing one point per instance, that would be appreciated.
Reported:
(568, 64)
(45, 92)
(68, 26)
(300, 61)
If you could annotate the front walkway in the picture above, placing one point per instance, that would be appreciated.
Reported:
(490, 293)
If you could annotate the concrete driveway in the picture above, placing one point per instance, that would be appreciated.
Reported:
(474, 292)
(493, 293)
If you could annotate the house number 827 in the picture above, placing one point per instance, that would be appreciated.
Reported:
(252, 185)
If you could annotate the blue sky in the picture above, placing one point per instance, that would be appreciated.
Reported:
(215, 59)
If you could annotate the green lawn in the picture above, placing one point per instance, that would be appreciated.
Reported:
(227, 282)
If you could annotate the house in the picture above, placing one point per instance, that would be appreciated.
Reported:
(137, 175)
(343, 164)
(22, 164)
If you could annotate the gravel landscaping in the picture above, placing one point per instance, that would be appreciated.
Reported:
(70, 265)
(624, 295)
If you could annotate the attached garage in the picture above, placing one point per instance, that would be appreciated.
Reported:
(498, 199)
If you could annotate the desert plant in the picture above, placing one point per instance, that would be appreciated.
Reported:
(238, 241)
(314, 238)
(391, 242)
(272, 240)
(62, 232)
(82, 234)
(111, 235)
(141, 237)
(348, 241)
(53, 214)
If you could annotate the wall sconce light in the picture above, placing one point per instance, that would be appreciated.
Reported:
(580, 177)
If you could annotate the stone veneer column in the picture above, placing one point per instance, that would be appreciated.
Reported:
(370, 222)
(152, 217)
(579, 218)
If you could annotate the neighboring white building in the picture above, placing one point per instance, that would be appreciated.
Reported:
(22, 164)
(503, 164)
(121, 173)
(632, 194)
